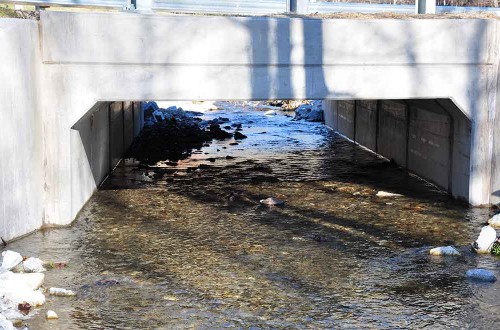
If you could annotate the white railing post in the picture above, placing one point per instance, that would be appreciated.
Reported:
(297, 6)
(425, 6)
(143, 5)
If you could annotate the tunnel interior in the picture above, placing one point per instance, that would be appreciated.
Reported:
(429, 138)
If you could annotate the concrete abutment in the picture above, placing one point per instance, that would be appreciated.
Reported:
(55, 70)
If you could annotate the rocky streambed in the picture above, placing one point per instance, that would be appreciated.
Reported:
(290, 227)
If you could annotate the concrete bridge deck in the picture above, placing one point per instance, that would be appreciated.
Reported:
(57, 72)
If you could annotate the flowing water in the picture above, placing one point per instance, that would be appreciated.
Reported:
(186, 245)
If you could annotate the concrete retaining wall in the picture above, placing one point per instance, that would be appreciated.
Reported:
(21, 158)
(431, 138)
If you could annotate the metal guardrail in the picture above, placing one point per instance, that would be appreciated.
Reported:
(336, 7)
(70, 3)
(223, 6)
(258, 7)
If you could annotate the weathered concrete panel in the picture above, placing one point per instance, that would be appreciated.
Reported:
(21, 144)
(95, 38)
(366, 124)
(116, 142)
(330, 113)
(392, 133)
(128, 125)
(346, 117)
(429, 153)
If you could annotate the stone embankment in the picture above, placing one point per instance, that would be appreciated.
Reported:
(172, 134)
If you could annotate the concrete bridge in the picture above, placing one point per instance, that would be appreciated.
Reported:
(70, 83)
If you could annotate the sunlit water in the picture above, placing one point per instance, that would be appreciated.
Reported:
(335, 256)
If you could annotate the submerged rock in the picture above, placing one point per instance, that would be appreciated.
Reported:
(51, 315)
(481, 275)
(271, 201)
(494, 221)
(387, 194)
(239, 136)
(484, 242)
(24, 308)
(61, 292)
(444, 251)
(33, 265)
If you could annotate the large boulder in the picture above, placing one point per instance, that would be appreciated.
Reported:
(310, 112)
(444, 251)
(495, 221)
(10, 260)
(18, 288)
(484, 242)
(481, 275)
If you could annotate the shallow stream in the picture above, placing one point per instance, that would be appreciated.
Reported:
(186, 245)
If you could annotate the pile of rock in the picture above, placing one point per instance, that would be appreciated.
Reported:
(21, 281)
(312, 111)
(172, 133)
(288, 105)
(154, 114)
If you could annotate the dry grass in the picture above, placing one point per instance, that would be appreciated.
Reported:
(6, 12)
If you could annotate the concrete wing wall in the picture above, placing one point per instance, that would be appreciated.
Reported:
(21, 143)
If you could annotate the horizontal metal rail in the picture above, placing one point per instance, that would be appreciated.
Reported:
(336, 7)
(70, 3)
(223, 6)
(247, 7)
(339, 7)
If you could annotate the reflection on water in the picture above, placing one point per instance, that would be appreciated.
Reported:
(335, 256)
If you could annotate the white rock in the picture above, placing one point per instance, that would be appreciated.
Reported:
(9, 280)
(487, 236)
(33, 265)
(444, 251)
(51, 315)
(270, 113)
(495, 221)
(480, 274)
(6, 325)
(387, 194)
(18, 288)
(272, 201)
(34, 298)
(61, 292)
(11, 259)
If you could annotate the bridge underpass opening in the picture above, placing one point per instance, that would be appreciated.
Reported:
(430, 138)
(191, 237)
